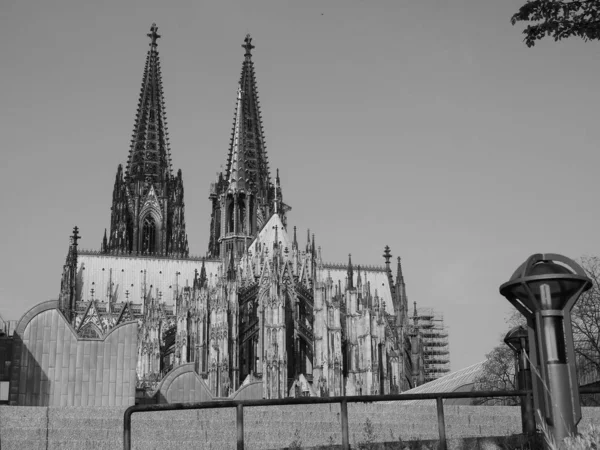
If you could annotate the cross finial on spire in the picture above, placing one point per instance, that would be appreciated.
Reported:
(247, 45)
(387, 255)
(75, 236)
(153, 35)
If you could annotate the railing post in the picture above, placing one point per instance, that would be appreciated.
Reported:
(441, 423)
(344, 413)
(127, 430)
(240, 426)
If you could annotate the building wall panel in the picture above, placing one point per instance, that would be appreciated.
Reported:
(183, 385)
(52, 366)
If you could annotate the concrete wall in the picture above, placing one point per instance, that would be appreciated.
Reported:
(101, 428)
(52, 366)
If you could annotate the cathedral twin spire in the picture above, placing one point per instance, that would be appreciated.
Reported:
(148, 208)
(149, 156)
(243, 197)
(247, 163)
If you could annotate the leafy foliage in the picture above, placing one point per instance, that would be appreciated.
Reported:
(586, 320)
(296, 444)
(498, 374)
(586, 329)
(560, 19)
(331, 441)
(370, 437)
(586, 440)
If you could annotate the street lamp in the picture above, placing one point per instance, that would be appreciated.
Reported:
(544, 289)
(518, 340)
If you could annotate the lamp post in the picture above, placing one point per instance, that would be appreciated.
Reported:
(544, 289)
(518, 340)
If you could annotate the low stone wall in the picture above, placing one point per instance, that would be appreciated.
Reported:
(101, 428)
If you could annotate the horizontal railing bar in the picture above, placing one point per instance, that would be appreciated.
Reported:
(589, 390)
(326, 400)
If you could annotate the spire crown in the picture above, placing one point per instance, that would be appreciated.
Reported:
(387, 255)
(247, 45)
(154, 36)
(75, 237)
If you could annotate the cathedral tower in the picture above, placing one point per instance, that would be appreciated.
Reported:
(243, 197)
(148, 209)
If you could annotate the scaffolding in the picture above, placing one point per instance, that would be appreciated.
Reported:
(434, 335)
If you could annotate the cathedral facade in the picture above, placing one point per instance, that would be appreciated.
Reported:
(262, 305)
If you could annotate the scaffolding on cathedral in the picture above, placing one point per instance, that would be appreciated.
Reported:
(434, 335)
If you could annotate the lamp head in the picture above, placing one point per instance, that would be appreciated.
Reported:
(545, 282)
(517, 339)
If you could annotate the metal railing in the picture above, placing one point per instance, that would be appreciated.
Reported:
(343, 401)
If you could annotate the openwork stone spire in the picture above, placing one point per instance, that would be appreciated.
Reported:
(149, 156)
(148, 208)
(247, 163)
(243, 197)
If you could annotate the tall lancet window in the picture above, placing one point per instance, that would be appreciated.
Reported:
(242, 223)
(149, 235)
(230, 217)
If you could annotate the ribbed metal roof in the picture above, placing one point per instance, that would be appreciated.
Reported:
(450, 383)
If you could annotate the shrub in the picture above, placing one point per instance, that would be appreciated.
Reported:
(296, 444)
(586, 440)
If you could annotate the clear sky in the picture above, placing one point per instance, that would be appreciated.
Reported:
(427, 126)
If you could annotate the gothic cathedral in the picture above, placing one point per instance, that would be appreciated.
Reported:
(260, 306)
